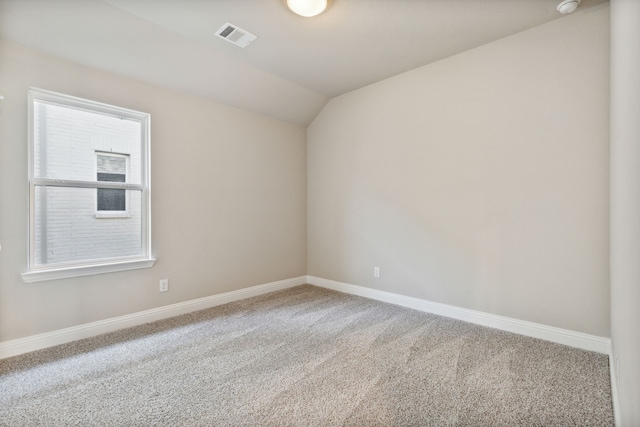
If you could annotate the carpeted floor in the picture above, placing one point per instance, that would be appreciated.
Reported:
(307, 356)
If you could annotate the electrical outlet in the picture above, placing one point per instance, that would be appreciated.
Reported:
(376, 271)
(164, 285)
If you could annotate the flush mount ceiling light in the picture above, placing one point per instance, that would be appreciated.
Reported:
(568, 6)
(307, 8)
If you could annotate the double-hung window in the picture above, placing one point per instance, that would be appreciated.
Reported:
(111, 168)
(89, 188)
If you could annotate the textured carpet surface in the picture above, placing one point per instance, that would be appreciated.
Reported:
(307, 356)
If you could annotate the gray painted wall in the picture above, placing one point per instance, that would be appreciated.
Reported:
(479, 181)
(228, 194)
(625, 204)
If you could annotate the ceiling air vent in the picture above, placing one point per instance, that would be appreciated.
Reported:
(236, 35)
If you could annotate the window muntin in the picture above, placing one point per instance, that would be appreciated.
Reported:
(78, 152)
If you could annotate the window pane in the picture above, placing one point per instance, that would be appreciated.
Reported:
(111, 177)
(112, 164)
(111, 200)
(66, 141)
(67, 230)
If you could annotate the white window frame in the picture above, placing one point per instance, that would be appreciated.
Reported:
(37, 273)
(114, 214)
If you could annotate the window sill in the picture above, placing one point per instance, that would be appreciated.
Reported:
(113, 215)
(85, 270)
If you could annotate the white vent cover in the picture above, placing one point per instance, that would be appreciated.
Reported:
(236, 35)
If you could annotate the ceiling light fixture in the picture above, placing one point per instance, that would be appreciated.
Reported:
(307, 8)
(568, 6)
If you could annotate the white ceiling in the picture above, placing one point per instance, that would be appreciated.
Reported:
(294, 66)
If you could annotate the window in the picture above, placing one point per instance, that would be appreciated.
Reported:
(111, 168)
(89, 188)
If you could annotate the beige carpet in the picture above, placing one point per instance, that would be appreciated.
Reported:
(307, 356)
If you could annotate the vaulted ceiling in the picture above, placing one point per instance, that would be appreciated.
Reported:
(294, 67)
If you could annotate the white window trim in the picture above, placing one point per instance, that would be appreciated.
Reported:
(85, 270)
(37, 273)
(114, 214)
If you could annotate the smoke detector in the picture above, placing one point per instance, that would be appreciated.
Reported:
(236, 35)
(568, 6)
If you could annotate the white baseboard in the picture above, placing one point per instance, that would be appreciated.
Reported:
(536, 330)
(62, 336)
(522, 327)
(614, 388)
